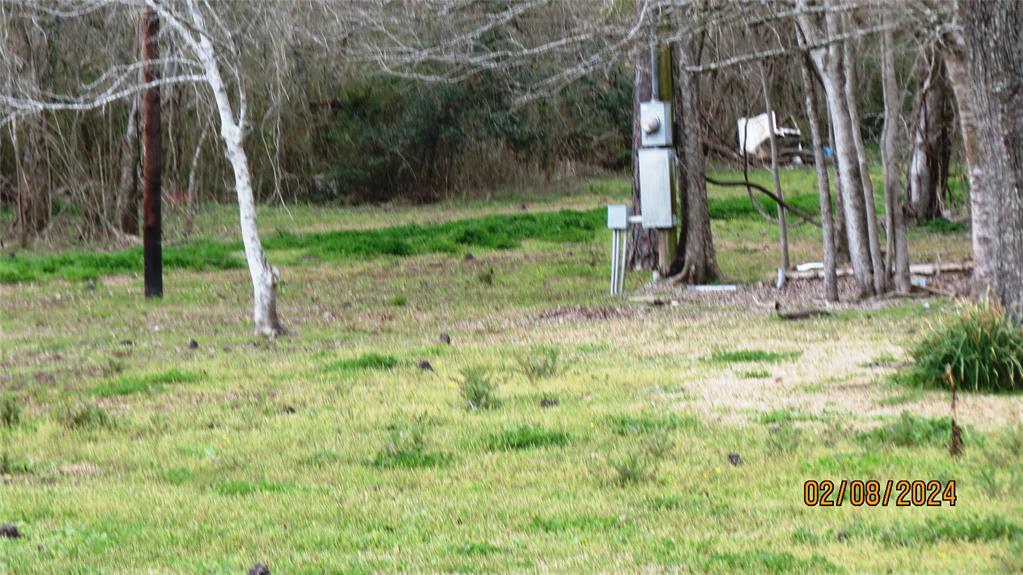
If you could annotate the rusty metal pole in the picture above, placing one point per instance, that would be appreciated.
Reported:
(151, 158)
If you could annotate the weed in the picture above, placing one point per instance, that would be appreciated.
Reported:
(85, 416)
(755, 374)
(979, 344)
(398, 300)
(10, 412)
(478, 388)
(638, 463)
(406, 447)
(526, 436)
(539, 363)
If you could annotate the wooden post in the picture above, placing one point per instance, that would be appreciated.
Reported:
(667, 239)
(151, 152)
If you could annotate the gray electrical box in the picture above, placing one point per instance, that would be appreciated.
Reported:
(618, 217)
(655, 123)
(656, 175)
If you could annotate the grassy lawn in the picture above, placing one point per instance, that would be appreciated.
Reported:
(558, 431)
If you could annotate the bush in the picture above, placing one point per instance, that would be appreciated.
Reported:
(539, 363)
(479, 389)
(978, 344)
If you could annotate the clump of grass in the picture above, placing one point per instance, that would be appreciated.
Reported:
(364, 361)
(646, 423)
(539, 363)
(129, 384)
(478, 548)
(979, 344)
(752, 356)
(785, 416)
(398, 300)
(406, 447)
(755, 374)
(525, 436)
(10, 412)
(85, 416)
(638, 463)
(910, 430)
(938, 529)
(784, 438)
(478, 387)
(10, 465)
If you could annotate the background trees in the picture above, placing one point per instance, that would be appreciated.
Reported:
(368, 101)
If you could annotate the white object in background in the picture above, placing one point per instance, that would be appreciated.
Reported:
(809, 266)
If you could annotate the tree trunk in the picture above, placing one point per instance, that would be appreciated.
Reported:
(643, 244)
(878, 272)
(128, 188)
(841, 235)
(152, 160)
(699, 262)
(928, 167)
(985, 65)
(264, 276)
(830, 68)
(898, 248)
(783, 231)
(823, 185)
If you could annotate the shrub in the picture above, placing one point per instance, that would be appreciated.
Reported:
(478, 388)
(978, 344)
(539, 363)
(10, 412)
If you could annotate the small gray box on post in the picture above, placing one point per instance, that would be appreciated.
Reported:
(656, 172)
(655, 123)
(618, 217)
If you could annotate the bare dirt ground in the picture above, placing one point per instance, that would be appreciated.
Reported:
(849, 371)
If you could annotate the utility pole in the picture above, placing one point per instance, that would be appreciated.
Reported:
(151, 158)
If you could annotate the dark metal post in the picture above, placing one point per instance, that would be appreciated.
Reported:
(151, 158)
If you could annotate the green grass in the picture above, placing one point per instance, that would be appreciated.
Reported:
(328, 451)
(129, 384)
(524, 436)
(752, 356)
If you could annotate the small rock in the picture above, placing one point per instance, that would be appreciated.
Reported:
(192, 344)
(468, 258)
(524, 207)
(127, 342)
(549, 402)
(289, 410)
(734, 459)
(445, 338)
(9, 531)
(842, 536)
(259, 569)
(425, 366)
